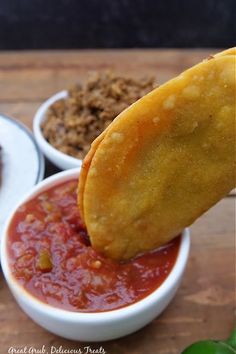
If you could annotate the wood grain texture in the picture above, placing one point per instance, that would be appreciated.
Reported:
(34, 76)
(204, 304)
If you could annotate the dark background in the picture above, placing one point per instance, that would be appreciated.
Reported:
(54, 24)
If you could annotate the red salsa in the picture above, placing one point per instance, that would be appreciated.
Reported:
(51, 257)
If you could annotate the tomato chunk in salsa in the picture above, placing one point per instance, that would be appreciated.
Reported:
(51, 257)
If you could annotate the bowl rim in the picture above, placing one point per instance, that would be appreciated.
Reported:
(24, 128)
(123, 313)
(39, 137)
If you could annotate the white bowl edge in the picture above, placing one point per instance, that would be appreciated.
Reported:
(57, 157)
(50, 317)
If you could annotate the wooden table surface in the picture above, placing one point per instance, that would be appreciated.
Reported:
(204, 304)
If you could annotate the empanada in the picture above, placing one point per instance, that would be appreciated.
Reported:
(162, 162)
(84, 172)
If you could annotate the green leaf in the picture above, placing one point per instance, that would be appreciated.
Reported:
(209, 347)
(232, 339)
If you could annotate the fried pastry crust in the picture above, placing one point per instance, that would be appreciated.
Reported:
(163, 162)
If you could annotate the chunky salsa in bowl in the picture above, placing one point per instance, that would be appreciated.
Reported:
(49, 263)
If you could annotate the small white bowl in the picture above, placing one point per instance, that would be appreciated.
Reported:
(98, 326)
(58, 158)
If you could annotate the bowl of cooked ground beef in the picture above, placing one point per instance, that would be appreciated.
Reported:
(67, 123)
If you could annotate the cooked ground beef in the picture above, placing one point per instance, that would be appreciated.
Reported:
(73, 123)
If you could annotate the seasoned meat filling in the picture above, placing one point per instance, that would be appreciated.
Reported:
(72, 124)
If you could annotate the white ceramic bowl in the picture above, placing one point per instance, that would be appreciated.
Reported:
(16, 176)
(57, 157)
(98, 326)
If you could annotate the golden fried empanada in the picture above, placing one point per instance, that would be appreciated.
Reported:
(230, 51)
(162, 162)
(84, 172)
